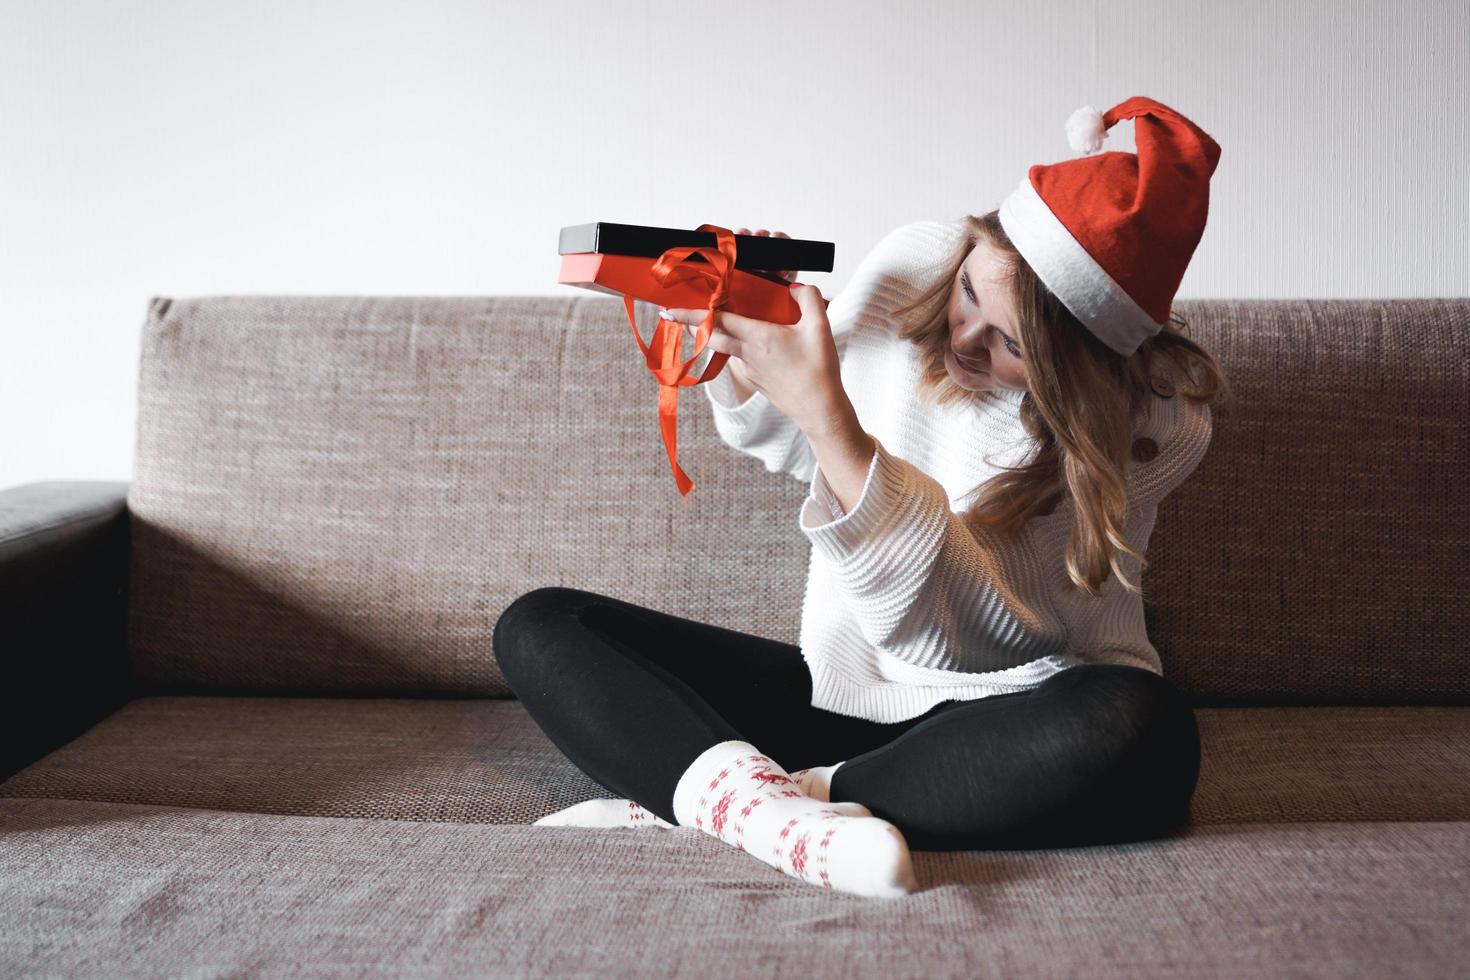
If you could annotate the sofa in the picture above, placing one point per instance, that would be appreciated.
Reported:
(255, 726)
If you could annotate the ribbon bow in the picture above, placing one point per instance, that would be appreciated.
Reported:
(678, 265)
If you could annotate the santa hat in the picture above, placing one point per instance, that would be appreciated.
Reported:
(1112, 234)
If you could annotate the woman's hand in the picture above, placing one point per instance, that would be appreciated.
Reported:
(743, 386)
(796, 366)
(735, 368)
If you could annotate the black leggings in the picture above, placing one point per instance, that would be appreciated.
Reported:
(1098, 753)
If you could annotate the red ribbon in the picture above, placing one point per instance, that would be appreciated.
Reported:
(677, 265)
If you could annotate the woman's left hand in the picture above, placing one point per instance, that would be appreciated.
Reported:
(795, 366)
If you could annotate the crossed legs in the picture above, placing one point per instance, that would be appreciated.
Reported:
(633, 696)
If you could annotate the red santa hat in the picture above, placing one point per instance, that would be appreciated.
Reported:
(1112, 234)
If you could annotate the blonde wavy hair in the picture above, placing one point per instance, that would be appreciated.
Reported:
(1081, 405)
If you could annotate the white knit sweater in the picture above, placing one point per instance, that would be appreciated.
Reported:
(905, 607)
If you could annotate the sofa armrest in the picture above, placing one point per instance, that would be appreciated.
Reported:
(63, 613)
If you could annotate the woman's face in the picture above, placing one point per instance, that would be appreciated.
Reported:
(984, 352)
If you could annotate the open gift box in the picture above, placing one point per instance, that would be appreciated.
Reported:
(684, 269)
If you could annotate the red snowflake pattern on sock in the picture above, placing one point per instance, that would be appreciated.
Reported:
(720, 814)
(798, 855)
(704, 799)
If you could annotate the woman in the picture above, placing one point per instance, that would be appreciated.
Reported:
(969, 675)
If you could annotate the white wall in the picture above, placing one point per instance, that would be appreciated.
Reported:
(190, 148)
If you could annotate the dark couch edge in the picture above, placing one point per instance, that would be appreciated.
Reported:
(63, 612)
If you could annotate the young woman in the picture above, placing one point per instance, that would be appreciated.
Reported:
(989, 415)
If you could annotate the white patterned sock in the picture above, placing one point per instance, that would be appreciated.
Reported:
(737, 794)
(816, 782)
(603, 813)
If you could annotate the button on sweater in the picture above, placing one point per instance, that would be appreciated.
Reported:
(905, 606)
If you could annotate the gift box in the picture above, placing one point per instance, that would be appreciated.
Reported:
(753, 294)
(753, 252)
(687, 275)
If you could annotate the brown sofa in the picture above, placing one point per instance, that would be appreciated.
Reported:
(255, 727)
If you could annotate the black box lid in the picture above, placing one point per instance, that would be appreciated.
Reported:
(751, 251)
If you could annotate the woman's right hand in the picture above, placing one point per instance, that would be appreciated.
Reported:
(734, 366)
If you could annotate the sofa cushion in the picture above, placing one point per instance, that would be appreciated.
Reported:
(480, 760)
(340, 495)
(486, 761)
(152, 891)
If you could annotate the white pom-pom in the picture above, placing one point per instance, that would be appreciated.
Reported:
(1085, 130)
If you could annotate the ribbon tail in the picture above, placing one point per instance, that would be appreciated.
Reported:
(628, 305)
(671, 333)
(665, 345)
(668, 420)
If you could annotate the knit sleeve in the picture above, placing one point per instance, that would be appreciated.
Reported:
(755, 427)
(919, 582)
(886, 277)
(758, 428)
(1182, 429)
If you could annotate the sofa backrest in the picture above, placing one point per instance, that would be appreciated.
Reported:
(1318, 553)
(338, 495)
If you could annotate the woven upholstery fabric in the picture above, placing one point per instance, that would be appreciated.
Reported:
(156, 891)
(472, 760)
(1318, 552)
(485, 761)
(1303, 764)
(338, 495)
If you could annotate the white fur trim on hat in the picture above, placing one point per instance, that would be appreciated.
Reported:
(1072, 274)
